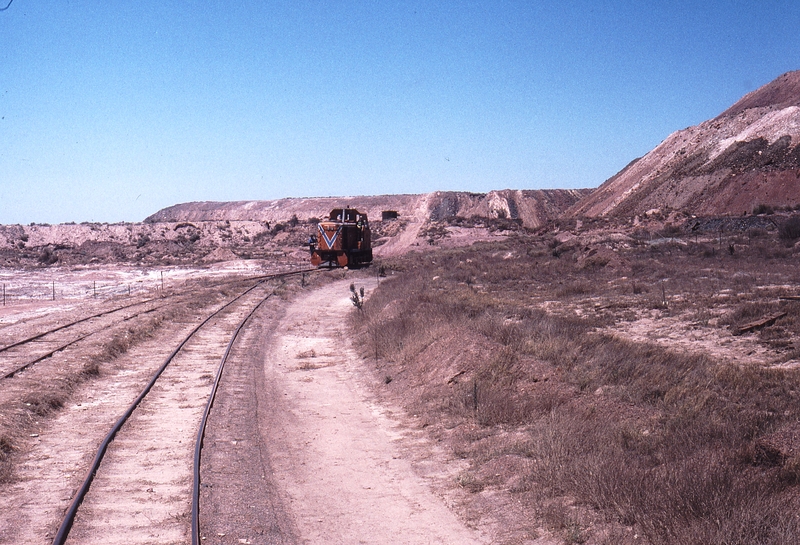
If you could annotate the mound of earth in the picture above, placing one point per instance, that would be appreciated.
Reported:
(533, 208)
(147, 244)
(277, 230)
(746, 159)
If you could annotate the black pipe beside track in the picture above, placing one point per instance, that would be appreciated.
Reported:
(69, 517)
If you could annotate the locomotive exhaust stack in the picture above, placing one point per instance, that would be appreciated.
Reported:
(343, 240)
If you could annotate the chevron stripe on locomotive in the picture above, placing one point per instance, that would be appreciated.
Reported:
(343, 240)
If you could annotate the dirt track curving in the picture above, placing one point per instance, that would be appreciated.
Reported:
(338, 467)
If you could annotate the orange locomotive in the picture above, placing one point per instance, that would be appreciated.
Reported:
(342, 240)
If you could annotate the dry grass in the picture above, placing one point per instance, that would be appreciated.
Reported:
(7, 448)
(665, 444)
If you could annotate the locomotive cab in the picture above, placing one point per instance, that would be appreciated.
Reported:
(343, 240)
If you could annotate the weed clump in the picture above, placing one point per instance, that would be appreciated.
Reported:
(763, 209)
(790, 229)
(6, 449)
(44, 402)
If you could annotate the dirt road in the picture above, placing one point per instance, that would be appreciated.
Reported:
(338, 466)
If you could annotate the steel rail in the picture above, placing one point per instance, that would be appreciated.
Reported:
(13, 372)
(70, 324)
(43, 357)
(69, 516)
(123, 307)
(202, 428)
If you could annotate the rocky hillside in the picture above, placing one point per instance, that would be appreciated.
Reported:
(533, 207)
(745, 159)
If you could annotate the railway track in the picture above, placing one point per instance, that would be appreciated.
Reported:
(142, 473)
(21, 354)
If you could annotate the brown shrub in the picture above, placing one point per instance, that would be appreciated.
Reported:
(6, 448)
(44, 402)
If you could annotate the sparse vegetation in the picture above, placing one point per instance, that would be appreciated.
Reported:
(6, 448)
(48, 256)
(357, 297)
(513, 366)
(760, 209)
(45, 398)
(790, 229)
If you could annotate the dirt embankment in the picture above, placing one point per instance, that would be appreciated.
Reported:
(149, 244)
(532, 208)
(605, 387)
(748, 156)
(277, 231)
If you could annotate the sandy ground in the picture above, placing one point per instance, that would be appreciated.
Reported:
(342, 461)
(57, 287)
(327, 464)
(54, 462)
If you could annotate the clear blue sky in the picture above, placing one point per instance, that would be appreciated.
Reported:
(110, 111)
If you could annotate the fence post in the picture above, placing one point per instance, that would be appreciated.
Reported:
(94, 288)
(4, 295)
(54, 290)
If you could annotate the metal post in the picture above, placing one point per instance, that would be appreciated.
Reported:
(54, 290)
(94, 288)
(4, 295)
(162, 283)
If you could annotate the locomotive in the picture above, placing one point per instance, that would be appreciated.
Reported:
(343, 240)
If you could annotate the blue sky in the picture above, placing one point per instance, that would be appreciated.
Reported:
(110, 111)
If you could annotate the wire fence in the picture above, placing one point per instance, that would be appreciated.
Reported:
(24, 286)
(13, 292)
